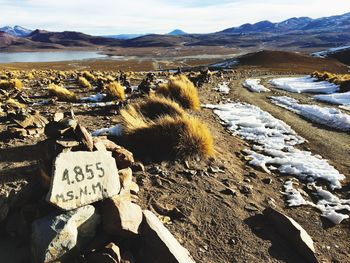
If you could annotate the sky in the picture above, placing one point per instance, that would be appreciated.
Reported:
(104, 17)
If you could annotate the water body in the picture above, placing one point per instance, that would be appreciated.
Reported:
(45, 56)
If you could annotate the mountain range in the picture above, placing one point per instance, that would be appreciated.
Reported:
(301, 33)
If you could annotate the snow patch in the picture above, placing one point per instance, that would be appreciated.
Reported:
(330, 117)
(254, 85)
(112, 131)
(275, 142)
(325, 53)
(95, 98)
(336, 98)
(304, 84)
(223, 88)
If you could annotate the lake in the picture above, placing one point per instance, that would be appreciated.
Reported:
(49, 56)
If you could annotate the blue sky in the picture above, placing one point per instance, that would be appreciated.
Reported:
(101, 17)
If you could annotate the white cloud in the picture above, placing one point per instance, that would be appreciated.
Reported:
(115, 16)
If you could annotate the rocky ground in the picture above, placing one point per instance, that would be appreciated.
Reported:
(214, 207)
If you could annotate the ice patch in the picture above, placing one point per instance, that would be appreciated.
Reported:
(112, 131)
(330, 117)
(304, 84)
(275, 140)
(223, 88)
(254, 85)
(95, 98)
(336, 98)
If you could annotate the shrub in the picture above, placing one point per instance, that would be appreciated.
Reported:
(155, 107)
(14, 103)
(167, 137)
(11, 84)
(182, 90)
(62, 93)
(115, 90)
(84, 83)
(88, 76)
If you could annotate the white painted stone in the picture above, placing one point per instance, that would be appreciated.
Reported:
(81, 178)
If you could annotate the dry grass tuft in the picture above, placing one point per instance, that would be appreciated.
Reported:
(14, 103)
(182, 90)
(84, 83)
(155, 107)
(89, 76)
(115, 90)
(167, 137)
(11, 84)
(62, 93)
(343, 80)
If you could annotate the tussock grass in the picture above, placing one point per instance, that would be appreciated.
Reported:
(14, 103)
(62, 93)
(155, 107)
(11, 84)
(182, 90)
(343, 80)
(88, 76)
(84, 83)
(115, 90)
(166, 137)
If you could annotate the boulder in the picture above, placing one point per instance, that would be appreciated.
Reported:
(61, 236)
(159, 245)
(120, 216)
(294, 233)
(123, 157)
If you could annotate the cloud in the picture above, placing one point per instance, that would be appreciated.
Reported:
(158, 16)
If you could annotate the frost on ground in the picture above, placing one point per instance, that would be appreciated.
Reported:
(330, 117)
(336, 98)
(325, 53)
(223, 88)
(274, 149)
(304, 84)
(254, 85)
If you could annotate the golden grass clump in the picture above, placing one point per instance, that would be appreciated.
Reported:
(11, 84)
(167, 137)
(84, 83)
(343, 80)
(115, 90)
(14, 103)
(182, 90)
(62, 93)
(88, 76)
(156, 107)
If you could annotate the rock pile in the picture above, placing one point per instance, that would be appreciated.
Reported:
(90, 213)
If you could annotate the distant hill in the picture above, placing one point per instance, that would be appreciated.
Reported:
(334, 23)
(302, 34)
(177, 32)
(17, 31)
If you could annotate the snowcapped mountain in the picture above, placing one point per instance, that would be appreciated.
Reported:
(332, 23)
(17, 31)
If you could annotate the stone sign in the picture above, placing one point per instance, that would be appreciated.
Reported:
(81, 178)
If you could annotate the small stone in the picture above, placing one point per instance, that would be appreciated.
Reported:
(229, 191)
(123, 158)
(138, 167)
(113, 250)
(125, 176)
(61, 236)
(58, 116)
(245, 189)
(120, 216)
(267, 180)
(85, 137)
(187, 165)
(252, 175)
(247, 180)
